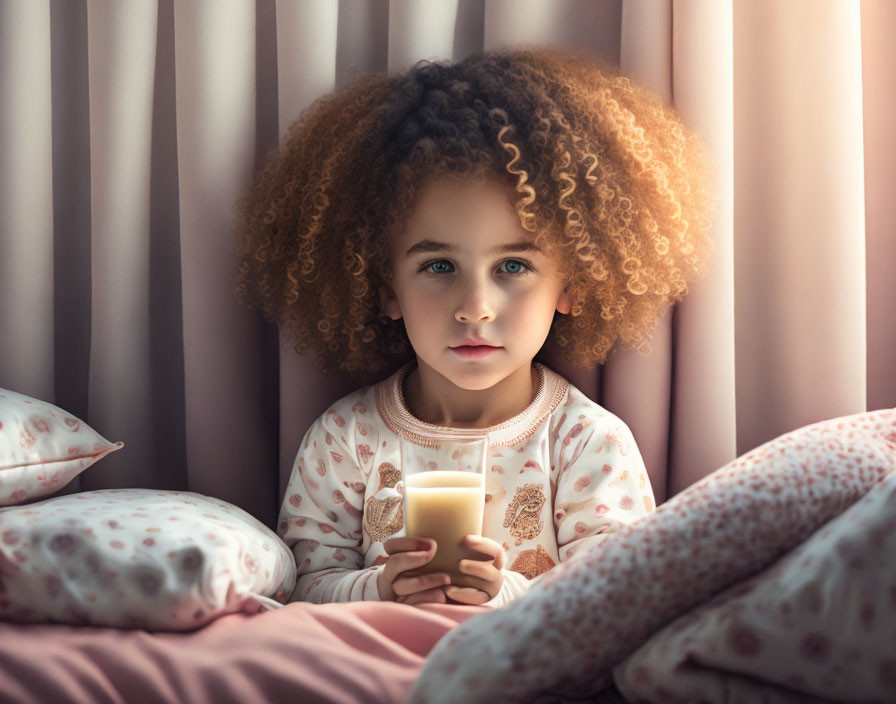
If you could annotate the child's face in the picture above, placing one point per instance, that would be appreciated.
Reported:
(445, 296)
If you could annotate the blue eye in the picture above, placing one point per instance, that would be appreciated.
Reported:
(526, 267)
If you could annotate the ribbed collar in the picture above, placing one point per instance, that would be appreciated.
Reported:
(391, 405)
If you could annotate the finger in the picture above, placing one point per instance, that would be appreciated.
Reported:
(411, 560)
(403, 586)
(430, 596)
(467, 595)
(407, 543)
(474, 582)
(500, 556)
(483, 545)
(478, 568)
(402, 562)
(487, 547)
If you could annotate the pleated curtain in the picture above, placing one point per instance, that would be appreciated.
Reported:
(129, 128)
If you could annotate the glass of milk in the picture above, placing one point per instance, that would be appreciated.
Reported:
(444, 497)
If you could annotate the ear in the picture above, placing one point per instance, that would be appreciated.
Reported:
(389, 303)
(564, 303)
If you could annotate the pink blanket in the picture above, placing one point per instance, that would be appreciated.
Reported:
(322, 653)
(353, 652)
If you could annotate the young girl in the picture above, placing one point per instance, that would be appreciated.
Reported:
(438, 226)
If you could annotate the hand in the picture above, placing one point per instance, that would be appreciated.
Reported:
(488, 573)
(410, 590)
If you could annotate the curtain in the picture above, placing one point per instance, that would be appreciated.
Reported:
(129, 128)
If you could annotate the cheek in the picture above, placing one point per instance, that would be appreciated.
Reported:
(424, 316)
(533, 314)
(420, 303)
(534, 304)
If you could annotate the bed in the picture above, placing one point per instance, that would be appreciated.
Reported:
(771, 580)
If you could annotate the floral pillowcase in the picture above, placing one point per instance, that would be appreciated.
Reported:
(42, 448)
(128, 558)
(138, 558)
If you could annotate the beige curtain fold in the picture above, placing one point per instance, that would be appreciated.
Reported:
(121, 50)
(877, 21)
(129, 128)
(26, 199)
(799, 218)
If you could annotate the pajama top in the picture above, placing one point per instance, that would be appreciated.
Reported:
(560, 476)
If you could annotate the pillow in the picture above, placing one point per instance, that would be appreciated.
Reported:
(820, 622)
(42, 448)
(138, 558)
(587, 615)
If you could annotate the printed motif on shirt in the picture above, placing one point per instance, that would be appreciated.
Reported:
(531, 563)
(384, 516)
(523, 516)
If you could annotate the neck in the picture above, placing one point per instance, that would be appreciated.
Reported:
(434, 399)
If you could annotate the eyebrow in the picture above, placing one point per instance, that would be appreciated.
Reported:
(431, 246)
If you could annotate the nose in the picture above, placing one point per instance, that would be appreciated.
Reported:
(474, 303)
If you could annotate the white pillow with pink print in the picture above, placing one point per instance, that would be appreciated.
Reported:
(821, 620)
(42, 448)
(585, 616)
(138, 558)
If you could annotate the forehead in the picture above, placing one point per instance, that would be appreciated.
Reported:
(450, 206)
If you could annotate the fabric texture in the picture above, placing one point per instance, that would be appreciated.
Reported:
(42, 447)
(367, 652)
(820, 621)
(560, 477)
(138, 558)
(586, 617)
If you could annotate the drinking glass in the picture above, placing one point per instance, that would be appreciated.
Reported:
(444, 498)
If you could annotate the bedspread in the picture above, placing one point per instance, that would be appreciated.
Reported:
(759, 641)
(772, 580)
(741, 647)
(819, 625)
(338, 653)
(305, 653)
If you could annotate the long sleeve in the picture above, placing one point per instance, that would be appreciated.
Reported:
(320, 518)
(602, 483)
(513, 586)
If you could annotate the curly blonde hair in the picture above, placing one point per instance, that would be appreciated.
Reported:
(607, 177)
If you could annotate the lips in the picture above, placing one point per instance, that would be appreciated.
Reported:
(475, 341)
(474, 351)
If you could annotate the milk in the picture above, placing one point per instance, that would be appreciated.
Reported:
(445, 506)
